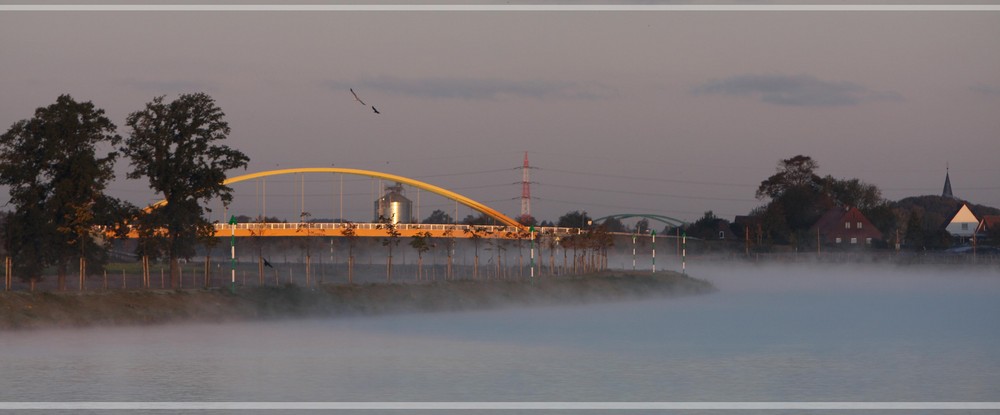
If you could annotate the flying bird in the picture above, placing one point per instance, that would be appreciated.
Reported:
(356, 97)
(376, 111)
(267, 264)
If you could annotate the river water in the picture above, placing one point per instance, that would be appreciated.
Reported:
(776, 334)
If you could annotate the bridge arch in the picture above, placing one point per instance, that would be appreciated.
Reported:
(378, 175)
(659, 218)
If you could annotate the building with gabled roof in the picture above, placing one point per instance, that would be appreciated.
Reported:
(990, 224)
(846, 226)
(963, 223)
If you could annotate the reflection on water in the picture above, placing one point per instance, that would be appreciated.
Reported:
(769, 334)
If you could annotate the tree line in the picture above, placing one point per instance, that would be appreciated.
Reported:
(59, 162)
(796, 197)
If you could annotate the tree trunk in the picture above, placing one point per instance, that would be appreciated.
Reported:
(8, 273)
(350, 269)
(475, 268)
(260, 271)
(175, 273)
(350, 262)
(520, 263)
(61, 278)
(308, 277)
(420, 266)
(552, 261)
(145, 272)
(83, 271)
(565, 261)
(388, 269)
(208, 271)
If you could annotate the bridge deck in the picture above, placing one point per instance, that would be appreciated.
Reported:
(405, 230)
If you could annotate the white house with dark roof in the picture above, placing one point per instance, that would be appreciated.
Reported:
(963, 223)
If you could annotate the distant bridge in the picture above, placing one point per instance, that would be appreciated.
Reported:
(659, 218)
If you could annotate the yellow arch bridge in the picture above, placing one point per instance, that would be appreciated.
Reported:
(506, 227)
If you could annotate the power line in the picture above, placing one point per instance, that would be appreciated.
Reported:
(629, 208)
(631, 161)
(652, 179)
(543, 184)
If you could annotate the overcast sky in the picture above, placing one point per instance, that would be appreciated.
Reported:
(671, 113)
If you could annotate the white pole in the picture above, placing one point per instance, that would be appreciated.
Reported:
(684, 244)
(531, 231)
(232, 252)
(633, 252)
(654, 251)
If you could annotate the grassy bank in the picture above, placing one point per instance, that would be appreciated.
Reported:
(19, 310)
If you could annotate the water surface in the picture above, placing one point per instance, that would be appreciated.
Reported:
(795, 333)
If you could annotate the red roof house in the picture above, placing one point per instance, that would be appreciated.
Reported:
(846, 226)
(989, 225)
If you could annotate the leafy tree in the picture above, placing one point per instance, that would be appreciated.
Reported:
(481, 219)
(642, 226)
(914, 236)
(567, 242)
(550, 240)
(350, 232)
(798, 191)
(522, 234)
(391, 240)
(574, 219)
(993, 233)
(257, 239)
(707, 227)
(773, 225)
(26, 233)
(209, 243)
(57, 180)
(449, 247)
(527, 220)
(614, 225)
(854, 192)
(439, 217)
(795, 172)
(800, 197)
(476, 233)
(421, 242)
(600, 241)
(173, 146)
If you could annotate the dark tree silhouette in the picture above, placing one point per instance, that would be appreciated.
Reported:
(57, 181)
(173, 146)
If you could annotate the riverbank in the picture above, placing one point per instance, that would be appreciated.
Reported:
(22, 310)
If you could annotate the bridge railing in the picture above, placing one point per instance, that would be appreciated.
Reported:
(455, 228)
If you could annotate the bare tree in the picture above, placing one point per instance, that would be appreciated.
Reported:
(476, 233)
(350, 232)
(306, 243)
(391, 240)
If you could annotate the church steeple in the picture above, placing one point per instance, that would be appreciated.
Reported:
(947, 185)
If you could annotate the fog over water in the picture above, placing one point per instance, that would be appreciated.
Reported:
(771, 333)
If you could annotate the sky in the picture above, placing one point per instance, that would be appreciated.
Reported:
(662, 112)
